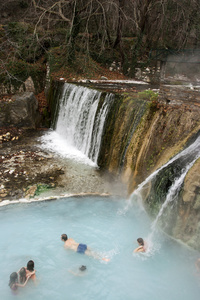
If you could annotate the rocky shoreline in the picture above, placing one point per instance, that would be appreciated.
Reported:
(28, 171)
(21, 168)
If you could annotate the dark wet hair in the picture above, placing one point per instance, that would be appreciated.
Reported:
(64, 237)
(82, 268)
(140, 241)
(13, 279)
(30, 265)
(22, 275)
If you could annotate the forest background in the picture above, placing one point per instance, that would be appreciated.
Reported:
(83, 37)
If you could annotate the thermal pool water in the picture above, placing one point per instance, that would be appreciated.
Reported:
(33, 230)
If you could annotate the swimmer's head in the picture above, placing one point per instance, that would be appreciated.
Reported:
(64, 237)
(30, 265)
(22, 272)
(140, 241)
(13, 279)
(82, 268)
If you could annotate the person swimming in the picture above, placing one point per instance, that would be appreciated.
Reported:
(22, 275)
(13, 283)
(70, 243)
(82, 268)
(80, 271)
(30, 270)
(141, 247)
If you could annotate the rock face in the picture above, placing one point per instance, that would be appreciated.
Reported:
(141, 136)
(187, 225)
(20, 111)
(191, 189)
(133, 150)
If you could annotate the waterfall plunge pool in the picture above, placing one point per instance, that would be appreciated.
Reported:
(33, 230)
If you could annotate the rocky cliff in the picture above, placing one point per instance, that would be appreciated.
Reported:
(141, 135)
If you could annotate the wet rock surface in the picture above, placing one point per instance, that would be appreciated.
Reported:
(27, 171)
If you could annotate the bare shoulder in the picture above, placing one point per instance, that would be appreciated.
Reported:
(70, 242)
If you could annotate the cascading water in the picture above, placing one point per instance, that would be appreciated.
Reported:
(98, 128)
(166, 186)
(172, 193)
(184, 161)
(80, 121)
(76, 116)
(187, 155)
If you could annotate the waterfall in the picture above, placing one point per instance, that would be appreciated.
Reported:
(186, 158)
(173, 192)
(188, 154)
(79, 122)
(76, 115)
(99, 127)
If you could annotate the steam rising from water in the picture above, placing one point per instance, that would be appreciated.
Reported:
(184, 65)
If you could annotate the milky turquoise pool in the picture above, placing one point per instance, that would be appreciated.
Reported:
(32, 231)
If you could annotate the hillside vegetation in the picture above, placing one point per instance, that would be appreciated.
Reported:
(78, 38)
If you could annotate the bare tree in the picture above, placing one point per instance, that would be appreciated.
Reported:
(97, 25)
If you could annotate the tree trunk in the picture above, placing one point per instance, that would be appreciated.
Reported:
(138, 44)
(120, 23)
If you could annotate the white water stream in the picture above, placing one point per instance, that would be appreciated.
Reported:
(172, 193)
(189, 155)
(79, 127)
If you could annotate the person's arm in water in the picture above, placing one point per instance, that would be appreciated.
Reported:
(139, 249)
(23, 285)
(31, 274)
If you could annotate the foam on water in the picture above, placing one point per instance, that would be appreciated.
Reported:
(56, 143)
(32, 231)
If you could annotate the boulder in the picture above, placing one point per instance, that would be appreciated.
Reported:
(21, 111)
